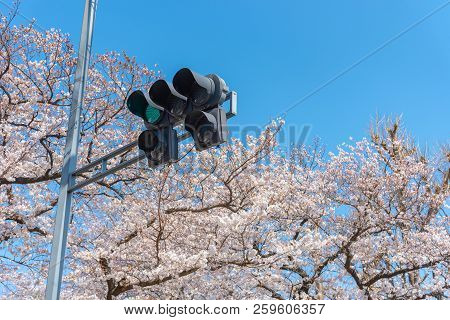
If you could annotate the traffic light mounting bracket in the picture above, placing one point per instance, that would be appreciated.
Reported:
(102, 163)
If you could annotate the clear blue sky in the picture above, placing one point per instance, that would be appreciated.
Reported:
(275, 52)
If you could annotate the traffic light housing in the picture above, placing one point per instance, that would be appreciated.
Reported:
(205, 120)
(202, 91)
(193, 100)
(160, 146)
(207, 128)
(159, 142)
(164, 95)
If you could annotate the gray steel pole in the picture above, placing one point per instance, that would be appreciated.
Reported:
(63, 213)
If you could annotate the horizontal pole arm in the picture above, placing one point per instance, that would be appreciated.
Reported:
(105, 158)
(105, 173)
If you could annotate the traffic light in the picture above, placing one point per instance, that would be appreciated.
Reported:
(138, 105)
(202, 91)
(205, 120)
(164, 95)
(159, 142)
(207, 128)
(159, 145)
(193, 100)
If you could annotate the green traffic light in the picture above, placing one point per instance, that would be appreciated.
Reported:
(138, 105)
(152, 114)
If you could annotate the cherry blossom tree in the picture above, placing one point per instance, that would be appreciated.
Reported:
(243, 221)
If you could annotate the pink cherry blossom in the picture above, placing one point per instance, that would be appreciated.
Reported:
(243, 221)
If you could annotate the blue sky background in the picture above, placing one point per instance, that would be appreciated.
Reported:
(275, 52)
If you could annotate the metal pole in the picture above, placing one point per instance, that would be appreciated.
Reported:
(63, 213)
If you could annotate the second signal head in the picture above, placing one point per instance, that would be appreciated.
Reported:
(164, 95)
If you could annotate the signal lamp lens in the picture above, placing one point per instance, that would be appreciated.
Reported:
(147, 141)
(205, 134)
(152, 114)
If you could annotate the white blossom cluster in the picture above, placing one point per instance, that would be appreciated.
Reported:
(243, 221)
